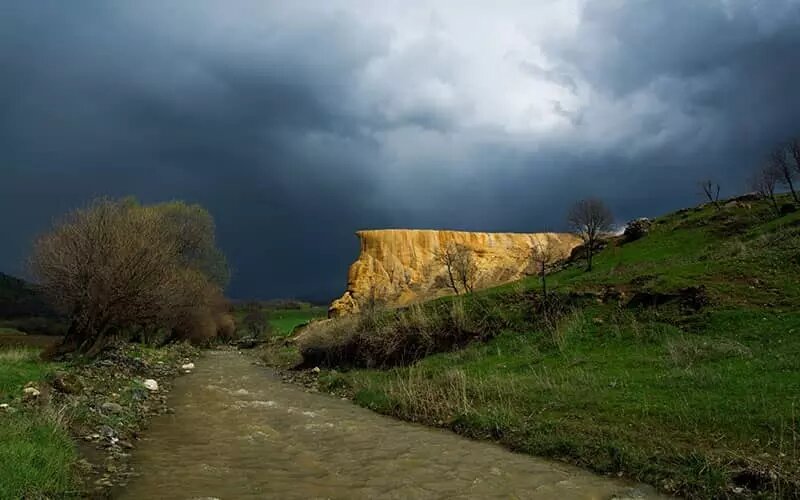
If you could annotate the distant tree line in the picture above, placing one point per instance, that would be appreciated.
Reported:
(118, 269)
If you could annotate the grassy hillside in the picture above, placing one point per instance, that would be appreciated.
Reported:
(18, 298)
(676, 361)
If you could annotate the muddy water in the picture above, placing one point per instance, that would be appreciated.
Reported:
(239, 433)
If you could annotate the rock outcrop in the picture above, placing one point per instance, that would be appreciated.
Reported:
(398, 267)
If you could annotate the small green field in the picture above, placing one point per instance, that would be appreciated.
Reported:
(285, 320)
(677, 365)
(282, 318)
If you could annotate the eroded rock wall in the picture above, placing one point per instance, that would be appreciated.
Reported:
(397, 267)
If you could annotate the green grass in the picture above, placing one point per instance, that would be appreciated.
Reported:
(5, 330)
(36, 452)
(699, 403)
(18, 366)
(36, 457)
(283, 321)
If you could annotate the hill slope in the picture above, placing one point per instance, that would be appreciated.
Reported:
(676, 361)
(18, 298)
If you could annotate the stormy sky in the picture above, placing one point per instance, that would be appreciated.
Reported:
(297, 123)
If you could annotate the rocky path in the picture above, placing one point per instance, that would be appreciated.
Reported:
(238, 432)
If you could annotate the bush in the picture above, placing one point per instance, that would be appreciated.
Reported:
(390, 338)
(226, 326)
(637, 229)
(117, 267)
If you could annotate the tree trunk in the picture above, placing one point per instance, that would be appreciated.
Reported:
(791, 187)
(452, 279)
(544, 283)
(589, 252)
(775, 204)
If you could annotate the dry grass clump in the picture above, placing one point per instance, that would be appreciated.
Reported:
(17, 354)
(686, 351)
(449, 396)
(390, 338)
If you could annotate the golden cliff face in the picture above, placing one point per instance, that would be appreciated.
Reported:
(398, 267)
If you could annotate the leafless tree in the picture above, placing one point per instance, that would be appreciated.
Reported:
(794, 150)
(448, 256)
(542, 255)
(711, 191)
(256, 321)
(590, 218)
(459, 262)
(779, 162)
(115, 266)
(465, 268)
(764, 181)
(372, 302)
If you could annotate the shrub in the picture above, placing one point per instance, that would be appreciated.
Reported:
(226, 326)
(390, 338)
(117, 267)
(637, 229)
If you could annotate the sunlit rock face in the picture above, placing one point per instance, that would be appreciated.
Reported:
(398, 267)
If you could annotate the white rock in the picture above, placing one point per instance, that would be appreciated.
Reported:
(151, 385)
(187, 366)
(316, 369)
(31, 392)
(4, 406)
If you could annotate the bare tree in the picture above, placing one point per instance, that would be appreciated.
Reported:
(256, 321)
(542, 255)
(465, 268)
(459, 262)
(764, 182)
(779, 162)
(372, 302)
(589, 219)
(794, 150)
(711, 191)
(447, 256)
(116, 266)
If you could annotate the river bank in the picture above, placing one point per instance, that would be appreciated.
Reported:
(68, 429)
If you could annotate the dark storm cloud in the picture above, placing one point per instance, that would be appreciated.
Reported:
(95, 106)
(297, 125)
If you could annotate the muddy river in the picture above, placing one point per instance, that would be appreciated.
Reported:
(238, 432)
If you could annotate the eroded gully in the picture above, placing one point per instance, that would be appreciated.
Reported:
(238, 432)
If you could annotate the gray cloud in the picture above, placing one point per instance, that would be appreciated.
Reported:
(297, 125)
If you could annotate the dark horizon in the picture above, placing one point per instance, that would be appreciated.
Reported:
(297, 125)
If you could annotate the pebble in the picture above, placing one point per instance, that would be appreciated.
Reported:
(110, 407)
(151, 385)
(31, 392)
(187, 366)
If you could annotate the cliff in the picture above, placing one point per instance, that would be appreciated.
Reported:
(397, 267)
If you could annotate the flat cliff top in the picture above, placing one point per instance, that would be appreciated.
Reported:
(370, 232)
